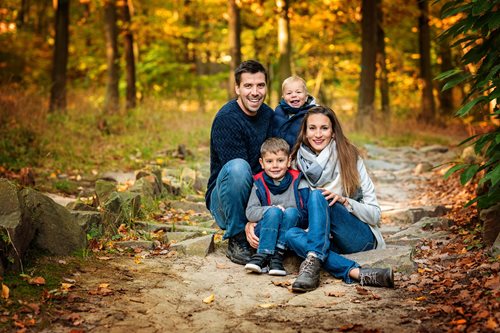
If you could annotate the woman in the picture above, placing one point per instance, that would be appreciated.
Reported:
(342, 206)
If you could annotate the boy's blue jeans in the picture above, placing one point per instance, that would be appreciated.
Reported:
(332, 231)
(272, 228)
(229, 197)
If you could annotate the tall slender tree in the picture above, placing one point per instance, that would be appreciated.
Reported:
(128, 50)
(382, 67)
(366, 97)
(284, 42)
(234, 43)
(446, 99)
(111, 32)
(428, 111)
(60, 57)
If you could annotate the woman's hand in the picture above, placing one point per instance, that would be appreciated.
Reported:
(332, 198)
(252, 239)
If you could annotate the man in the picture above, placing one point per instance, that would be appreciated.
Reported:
(238, 130)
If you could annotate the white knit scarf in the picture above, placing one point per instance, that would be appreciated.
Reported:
(323, 170)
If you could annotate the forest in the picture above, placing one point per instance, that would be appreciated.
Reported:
(90, 86)
(77, 76)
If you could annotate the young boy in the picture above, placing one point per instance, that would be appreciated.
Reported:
(277, 204)
(291, 110)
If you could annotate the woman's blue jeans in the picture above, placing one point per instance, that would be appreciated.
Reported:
(332, 231)
(272, 228)
(229, 197)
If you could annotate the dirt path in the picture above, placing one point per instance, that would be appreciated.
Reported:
(172, 293)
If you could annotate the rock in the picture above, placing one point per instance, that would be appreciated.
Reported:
(63, 201)
(200, 246)
(434, 149)
(396, 256)
(200, 182)
(469, 155)
(153, 178)
(121, 207)
(197, 207)
(423, 167)
(89, 221)
(80, 205)
(146, 187)
(135, 244)
(16, 232)
(57, 231)
(188, 177)
(103, 190)
(179, 236)
(172, 186)
(195, 198)
(495, 248)
(412, 215)
(425, 228)
(491, 226)
(149, 226)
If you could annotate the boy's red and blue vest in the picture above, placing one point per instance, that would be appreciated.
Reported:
(301, 195)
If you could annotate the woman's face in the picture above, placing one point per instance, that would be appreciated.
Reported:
(319, 132)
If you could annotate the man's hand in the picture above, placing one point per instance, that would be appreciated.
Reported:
(252, 239)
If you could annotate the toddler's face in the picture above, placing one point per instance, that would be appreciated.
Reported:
(275, 164)
(295, 94)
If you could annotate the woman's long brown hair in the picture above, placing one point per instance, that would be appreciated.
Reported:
(347, 152)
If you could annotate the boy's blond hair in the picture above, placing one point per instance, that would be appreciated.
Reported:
(293, 78)
(274, 146)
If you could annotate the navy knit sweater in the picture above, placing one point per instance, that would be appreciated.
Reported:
(236, 135)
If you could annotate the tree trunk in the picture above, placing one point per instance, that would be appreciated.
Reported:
(60, 57)
(427, 114)
(446, 97)
(128, 50)
(23, 14)
(234, 44)
(111, 31)
(366, 98)
(382, 68)
(284, 42)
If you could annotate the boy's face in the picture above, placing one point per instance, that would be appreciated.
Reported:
(295, 94)
(275, 165)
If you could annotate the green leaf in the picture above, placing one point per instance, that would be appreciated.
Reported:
(454, 169)
(493, 175)
(447, 12)
(468, 174)
(466, 108)
(456, 81)
(448, 74)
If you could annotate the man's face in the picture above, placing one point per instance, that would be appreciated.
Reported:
(251, 92)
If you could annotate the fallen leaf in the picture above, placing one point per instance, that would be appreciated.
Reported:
(283, 284)
(268, 305)
(104, 258)
(362, 291)
(209, 299)
(458, 322)
(5, 291)
(493, 283)
(491, 323)
(421, 298)
(137, 260)
(334, 293)
(39, 281)
(349, 327)
(66, 286)
(221, 266)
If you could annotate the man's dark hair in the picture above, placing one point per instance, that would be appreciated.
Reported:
(249, 66)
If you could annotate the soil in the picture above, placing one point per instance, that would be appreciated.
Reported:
(161, 294)
(141, 292)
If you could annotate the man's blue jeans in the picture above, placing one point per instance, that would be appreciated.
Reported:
(229, 197)
(332, 231)
(272, 228)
